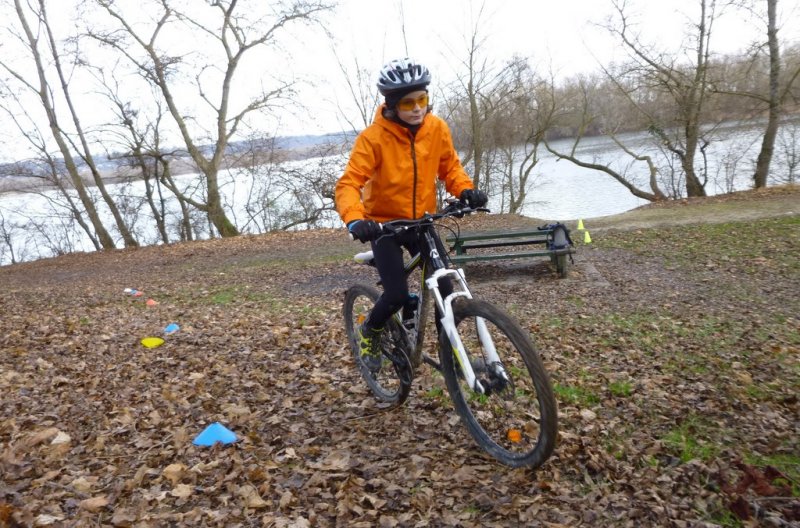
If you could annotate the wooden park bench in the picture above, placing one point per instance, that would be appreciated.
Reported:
(549, 241)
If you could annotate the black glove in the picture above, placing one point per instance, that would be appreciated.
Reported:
(364, 230)
(474, 198)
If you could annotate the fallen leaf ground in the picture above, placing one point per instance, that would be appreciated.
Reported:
(674, 353)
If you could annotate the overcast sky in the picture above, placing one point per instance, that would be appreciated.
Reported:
(563, 36)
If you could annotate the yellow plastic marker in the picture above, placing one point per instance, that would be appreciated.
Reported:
(586, 238)
(152, 342)
(580, 225)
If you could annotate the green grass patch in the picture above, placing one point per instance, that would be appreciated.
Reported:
(553, 323)
(726, 518)
(621, 389)
(435, 393)
(224, 297)
(291, 261)
(691, 440)
(742, 245)
(232, 295)
(575, 395)
(579, 302)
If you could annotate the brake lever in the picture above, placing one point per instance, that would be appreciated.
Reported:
(455, 207)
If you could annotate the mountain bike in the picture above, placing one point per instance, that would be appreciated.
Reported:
(492, 371)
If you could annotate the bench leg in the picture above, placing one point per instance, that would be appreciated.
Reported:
(562, 266)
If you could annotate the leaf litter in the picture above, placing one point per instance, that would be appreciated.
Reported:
(676, 377)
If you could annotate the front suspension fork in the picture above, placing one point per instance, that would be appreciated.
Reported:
(449, 327)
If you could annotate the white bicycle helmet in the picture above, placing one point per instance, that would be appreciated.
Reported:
(403, 75)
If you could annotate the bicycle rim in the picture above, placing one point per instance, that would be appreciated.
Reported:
(392, 383)
(516, 421)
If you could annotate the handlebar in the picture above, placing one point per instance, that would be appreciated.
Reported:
(455, 208)
(394, 226)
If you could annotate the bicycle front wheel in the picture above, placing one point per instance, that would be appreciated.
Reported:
(515, 420)
(392, 382)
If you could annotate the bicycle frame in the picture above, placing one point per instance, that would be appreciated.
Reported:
(514, 419)
(428, 239)
(445, 305)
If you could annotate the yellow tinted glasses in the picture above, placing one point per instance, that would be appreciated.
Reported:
(407, 105)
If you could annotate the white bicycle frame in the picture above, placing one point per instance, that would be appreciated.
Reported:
(449, 326)
(447, 321)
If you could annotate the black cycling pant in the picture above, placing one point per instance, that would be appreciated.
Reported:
(388, 254)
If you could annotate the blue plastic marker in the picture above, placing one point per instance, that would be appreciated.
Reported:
(214, 433)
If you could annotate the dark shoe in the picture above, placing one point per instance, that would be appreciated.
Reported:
(369, 341)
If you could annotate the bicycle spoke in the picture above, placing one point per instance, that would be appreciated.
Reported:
(514, 420)
(392, 382)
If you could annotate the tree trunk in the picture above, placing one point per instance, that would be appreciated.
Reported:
(477, 140)
(126, 234)
(91, 211)
(694, 187)
(215, 211)
(44, 96)
(768, 141)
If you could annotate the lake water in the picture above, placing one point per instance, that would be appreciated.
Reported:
(564, 191)
(560, 190)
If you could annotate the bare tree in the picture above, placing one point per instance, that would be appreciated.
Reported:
(235, 34)
(686, 83)
(362, 92)
(583, 109)
(288, 194)
(776, 98)
(38, 40)
(54, 225)
(135, 138)
(493, 111)
(517, 129)
(8, 232)
(311, 189)
(789, 143)
(47, 172)
(466, 100)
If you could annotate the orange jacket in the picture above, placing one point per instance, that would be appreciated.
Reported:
(397, 172)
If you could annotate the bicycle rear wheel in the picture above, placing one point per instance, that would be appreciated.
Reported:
(516, 420)
(392, 383)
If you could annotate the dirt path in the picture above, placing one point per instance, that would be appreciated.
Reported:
(768, 203)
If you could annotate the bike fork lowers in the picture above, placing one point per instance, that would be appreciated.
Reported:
(449, 326)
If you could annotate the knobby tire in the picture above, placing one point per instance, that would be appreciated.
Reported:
(392, 384)
(516, 422)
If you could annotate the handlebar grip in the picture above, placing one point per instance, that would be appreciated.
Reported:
(353, 238)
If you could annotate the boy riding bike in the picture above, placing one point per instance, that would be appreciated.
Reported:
(392, 175)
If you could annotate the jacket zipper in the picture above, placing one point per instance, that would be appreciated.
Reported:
(412, 136)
